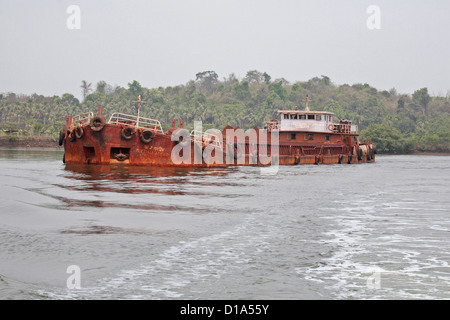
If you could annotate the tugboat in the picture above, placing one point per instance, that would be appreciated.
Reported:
(298, 137)
(312, 137)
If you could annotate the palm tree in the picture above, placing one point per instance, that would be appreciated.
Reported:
(86, 88)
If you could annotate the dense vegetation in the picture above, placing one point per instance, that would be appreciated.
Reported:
(397, 123)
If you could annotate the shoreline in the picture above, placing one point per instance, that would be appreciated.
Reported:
(430, 154)
(29, 142)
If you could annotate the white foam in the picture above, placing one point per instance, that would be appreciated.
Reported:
(357, 255)
(175, 270)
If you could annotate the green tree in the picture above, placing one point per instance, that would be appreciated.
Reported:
(401, 103)
(422, 98)
(101, 87)
(434, 134)
(325, 80)
(254, 76)
(387, 138)
(37, 128)
(95, 100)
(85, 88)
(70, 99)
(266, 78)
(135, 89)
(278, 89)
(207, 80)
(242, 90)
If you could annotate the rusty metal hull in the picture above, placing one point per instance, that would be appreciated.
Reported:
(86, 145)
(108, 147)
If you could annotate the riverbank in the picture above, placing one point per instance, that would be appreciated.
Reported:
(28, 142)
(430, 153)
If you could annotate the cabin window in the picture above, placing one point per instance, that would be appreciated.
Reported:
(303, 117)
(310, 117)
(327, 137)
(292, 136)
(295, 117)
(310, 137)
(286, 116)
(318, 117)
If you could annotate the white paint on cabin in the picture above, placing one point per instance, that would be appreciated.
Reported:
(312, 121)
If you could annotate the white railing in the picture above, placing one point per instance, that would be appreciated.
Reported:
(206, 138)
(82, 118)
(136, 121)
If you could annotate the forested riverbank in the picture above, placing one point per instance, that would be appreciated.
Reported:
(396, 122)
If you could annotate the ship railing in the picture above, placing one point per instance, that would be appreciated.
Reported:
(206, 138)
(82, 118)
(136, 121)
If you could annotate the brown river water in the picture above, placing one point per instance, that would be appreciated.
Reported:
(362, 231)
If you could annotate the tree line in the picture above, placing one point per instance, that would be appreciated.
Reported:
(396, 123)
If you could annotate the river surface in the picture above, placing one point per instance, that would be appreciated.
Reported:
(360, 231)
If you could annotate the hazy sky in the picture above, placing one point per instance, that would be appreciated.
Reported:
(165, 43)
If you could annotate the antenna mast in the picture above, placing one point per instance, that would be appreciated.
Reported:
(307, 101)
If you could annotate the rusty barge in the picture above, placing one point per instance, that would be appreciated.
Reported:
(297, 137)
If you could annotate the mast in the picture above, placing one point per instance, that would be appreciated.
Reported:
(139, 109)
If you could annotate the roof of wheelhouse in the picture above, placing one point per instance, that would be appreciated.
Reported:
(303, 112)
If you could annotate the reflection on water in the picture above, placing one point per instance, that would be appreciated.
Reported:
(117, 181)
(137, 180)
(194, 190)
(137, 173)
(97, 229)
